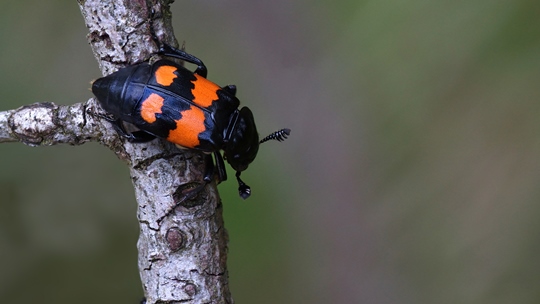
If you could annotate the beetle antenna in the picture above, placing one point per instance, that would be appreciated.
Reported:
(280, 135)
(243, 189)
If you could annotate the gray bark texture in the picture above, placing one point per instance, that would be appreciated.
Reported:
(182, 251)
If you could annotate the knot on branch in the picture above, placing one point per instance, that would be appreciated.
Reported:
(48, 124)
(33, 123)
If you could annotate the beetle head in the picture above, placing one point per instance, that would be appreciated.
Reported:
(243, 144)
(242, 141)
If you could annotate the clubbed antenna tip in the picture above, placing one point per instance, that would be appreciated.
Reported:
(280, 135)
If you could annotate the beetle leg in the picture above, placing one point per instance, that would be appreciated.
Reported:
(208, 168)
(231, 89)
(167, 50)
(170, 51)
(134, 137)
(207, 178)
(220, 165)
(209, 172)
(139, 137)
(191, 193)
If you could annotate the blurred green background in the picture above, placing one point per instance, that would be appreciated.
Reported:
(411, 174)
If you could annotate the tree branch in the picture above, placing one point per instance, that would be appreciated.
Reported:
(182, 255)
(46, 124)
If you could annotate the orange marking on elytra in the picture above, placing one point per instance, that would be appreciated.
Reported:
(165, 75)
(188, 128)
(204, 91)
(150, 107)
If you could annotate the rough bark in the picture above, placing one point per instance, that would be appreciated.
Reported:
(182, 254)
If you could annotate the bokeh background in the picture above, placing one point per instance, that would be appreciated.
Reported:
(412, 173)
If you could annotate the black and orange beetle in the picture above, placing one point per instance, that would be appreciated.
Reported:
(164, 99)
